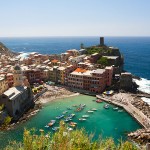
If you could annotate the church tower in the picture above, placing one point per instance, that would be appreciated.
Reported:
(18, 81)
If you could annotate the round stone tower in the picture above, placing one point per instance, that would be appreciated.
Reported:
(18, 81)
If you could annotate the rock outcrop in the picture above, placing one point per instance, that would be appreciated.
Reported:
(142, 106)
(142, 136)
(5, 51)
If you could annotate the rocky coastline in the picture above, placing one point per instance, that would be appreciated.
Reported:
(141, 136)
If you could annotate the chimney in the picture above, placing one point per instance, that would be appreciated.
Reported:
(102, 41)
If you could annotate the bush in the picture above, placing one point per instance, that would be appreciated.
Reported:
(66, 140)
(103, 61)
(7, 120)
(1, 107)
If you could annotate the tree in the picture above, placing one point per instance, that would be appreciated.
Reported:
(103, 61)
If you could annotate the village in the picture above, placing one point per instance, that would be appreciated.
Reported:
(37, 78)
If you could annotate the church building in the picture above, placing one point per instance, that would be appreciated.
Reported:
(19, 98)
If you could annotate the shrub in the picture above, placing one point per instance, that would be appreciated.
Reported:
(66, 140)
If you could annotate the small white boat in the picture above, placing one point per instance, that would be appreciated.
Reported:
(65, 112)
(71, 115)
(90, 111)
(69, 108)
(93, 109)
(69, 129)
(55, 128)
(46, 126)
(59, 117)
(85, 116)
(82, 119)
(115, 108)
(120, 110)
(106, 106)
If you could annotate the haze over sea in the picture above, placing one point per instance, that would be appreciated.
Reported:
(136, 50)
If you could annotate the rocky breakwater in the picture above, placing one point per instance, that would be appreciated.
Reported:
(142, 106)
(142, 136)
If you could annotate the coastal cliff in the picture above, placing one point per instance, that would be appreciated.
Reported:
(5, 51)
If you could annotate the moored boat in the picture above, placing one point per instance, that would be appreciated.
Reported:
(93, 109)
(51, 123)
(69, 129)
(46, 126)
(85, 116)
(82, 119)
(99, 101)
(106, 106)
(120, 110)
(59, 117)
(71, 115)
(65, 112)
(55, 128)
(90, 111)
(72, 124)
(69, 108)
(115, 108)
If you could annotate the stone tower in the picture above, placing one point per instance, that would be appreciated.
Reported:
(18, 81)
(102, 41)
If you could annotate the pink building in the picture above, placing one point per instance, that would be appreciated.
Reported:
(93, 81)
(109, 73)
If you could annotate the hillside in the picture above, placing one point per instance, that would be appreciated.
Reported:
(5, 50)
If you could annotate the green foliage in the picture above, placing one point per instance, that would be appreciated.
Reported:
(1, 107)
(7, 120)
(95, 49)
(66, 140)
(103, 61)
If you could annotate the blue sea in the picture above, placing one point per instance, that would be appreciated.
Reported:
(136, 50)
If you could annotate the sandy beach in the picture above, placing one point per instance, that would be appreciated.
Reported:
(55, 92)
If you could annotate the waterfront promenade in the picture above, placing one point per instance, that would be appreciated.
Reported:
(125, 102)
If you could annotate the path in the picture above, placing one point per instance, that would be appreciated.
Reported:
(126, 104)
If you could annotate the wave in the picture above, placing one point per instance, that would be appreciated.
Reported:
(144, 85)
(147, 100)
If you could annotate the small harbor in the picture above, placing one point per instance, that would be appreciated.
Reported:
(92, 116)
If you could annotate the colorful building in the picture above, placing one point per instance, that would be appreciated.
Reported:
(93, 81)
(3, 84)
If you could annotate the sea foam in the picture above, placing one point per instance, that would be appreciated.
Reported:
(144, 86)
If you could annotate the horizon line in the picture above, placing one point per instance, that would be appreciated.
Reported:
(70, 36)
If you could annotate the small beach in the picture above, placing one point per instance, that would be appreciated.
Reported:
(54, 93)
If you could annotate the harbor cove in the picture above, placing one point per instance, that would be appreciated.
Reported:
(102, 122)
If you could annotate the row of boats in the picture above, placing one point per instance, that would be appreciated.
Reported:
(68, 118)
(106, 106)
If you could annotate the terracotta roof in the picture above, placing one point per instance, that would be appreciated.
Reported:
(80, 70)
(54, 61)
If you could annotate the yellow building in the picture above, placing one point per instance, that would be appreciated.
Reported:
(3, 85)
(52, 75)
(61, 75)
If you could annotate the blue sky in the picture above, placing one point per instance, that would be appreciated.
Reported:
(74, 18)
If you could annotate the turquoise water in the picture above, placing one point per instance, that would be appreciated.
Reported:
(105, 122)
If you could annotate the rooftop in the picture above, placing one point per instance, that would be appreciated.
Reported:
(99, 71)
(54, 61)
(14, 91)
(111, 57)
